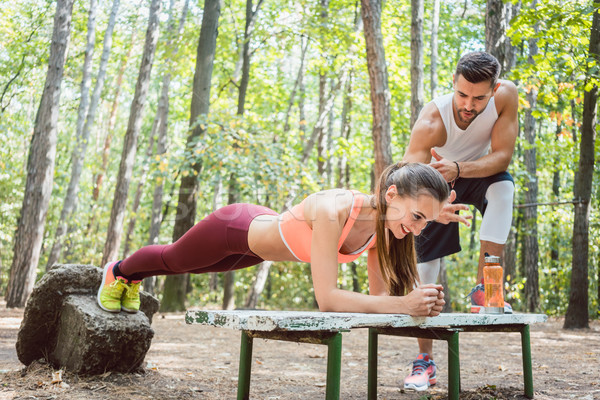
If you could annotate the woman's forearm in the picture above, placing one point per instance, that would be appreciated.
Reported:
(339, 300)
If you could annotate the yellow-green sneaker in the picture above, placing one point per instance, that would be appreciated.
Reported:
(111, 290)
(130, 301)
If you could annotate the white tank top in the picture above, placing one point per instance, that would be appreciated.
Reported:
(471, 143)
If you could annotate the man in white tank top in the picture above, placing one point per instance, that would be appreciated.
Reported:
(469, 136)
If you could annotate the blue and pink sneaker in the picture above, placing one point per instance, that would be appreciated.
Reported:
(423, 374)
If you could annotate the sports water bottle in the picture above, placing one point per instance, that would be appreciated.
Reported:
(493, 284)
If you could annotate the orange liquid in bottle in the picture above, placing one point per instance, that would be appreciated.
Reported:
(493, 285)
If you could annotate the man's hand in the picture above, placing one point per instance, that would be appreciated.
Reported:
(447, 168)
(448, 212)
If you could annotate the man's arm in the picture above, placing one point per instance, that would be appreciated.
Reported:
(428, 132)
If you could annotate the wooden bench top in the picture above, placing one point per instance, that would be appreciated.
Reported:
(259, 320)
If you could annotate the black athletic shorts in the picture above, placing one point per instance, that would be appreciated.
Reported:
(439, 240)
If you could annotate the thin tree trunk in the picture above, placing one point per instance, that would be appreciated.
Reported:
(444, 282)
(138, 192)
(322, 118)
(161, 121)
(248, 29)
(258, 285)
(115, 226)
(304, 47)
(78, 155)
(159, 124)
(577, 312)
(510, 51)
(530, 247)
(175, 285)
(378, 79)
(229, 280)
(321, 127)
(416, 60)
(555, 231)
(435, 26)
(99, 177)
(495, 30)
(345, 134)
(472, 241)
(509, 254)
(40, 166)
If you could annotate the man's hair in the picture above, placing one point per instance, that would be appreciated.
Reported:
(478, 66)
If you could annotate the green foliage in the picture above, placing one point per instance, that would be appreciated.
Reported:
(264, 153)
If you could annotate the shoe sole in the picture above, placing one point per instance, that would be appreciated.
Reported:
(100, 290)
(477, 309)
(481, 310)
(411, 386)
(129, 310)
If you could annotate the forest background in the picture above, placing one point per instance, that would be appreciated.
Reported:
(303, 96)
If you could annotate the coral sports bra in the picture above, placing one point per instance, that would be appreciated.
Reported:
(297, 235)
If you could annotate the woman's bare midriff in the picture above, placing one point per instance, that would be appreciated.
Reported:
(265, 241)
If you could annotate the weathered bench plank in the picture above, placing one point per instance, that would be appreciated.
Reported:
(256, 320)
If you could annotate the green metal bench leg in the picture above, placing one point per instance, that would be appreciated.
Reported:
(245, 367)
(334, 366)
(527, 370)
(372, 365)
(453, 367)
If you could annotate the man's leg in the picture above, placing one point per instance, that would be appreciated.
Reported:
(493, 249)
(495, 226)
(424, 370)
(428, 273)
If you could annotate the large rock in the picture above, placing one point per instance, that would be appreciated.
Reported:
(63, 324)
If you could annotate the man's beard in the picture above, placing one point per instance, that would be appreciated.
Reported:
(474, 113)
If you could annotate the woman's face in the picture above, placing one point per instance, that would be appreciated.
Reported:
(406, 214)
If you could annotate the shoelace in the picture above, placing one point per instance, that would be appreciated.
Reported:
(419, 367)
(132, 290)
(114, 285)
(476, 288)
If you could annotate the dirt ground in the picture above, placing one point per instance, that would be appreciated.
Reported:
(197, 362)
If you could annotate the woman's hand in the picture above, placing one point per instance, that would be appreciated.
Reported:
(425, 300)
(439, 305)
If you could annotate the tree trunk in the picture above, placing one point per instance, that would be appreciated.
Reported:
(40, 166)
(321, 127)
(159, 126)
(444, 282)
(99, 177)
(510, 51)
(435, 25)
(139, 191)
(577, 312)
(175, 285)
(322, 118)
(495, 30)
(117, 215)
(229, 279)
(555, 231)
(416, 60)
(161, 122)
(378, 79)
(304, 47)
(343, 172)
(249, 27)
(530, 239)
(258, 285)
(78, 155)
(473, 230)
(229, 276)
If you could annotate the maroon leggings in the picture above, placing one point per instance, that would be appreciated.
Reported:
(217, 243)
